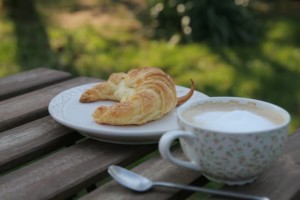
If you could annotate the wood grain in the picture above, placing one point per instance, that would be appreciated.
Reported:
(156, 169)
(32, 140)
(33, 105)
(29, 80)
(67, 171)
(281, 181)
(61, 165)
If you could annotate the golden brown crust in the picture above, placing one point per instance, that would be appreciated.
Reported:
(144, 94)
(181, 100)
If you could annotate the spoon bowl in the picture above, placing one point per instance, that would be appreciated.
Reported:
(130, 179)
(139, 183)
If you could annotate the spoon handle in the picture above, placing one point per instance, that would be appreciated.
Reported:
(210, 191)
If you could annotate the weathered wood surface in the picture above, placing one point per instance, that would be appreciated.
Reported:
(282, 181)
(41, 159)
(32, 140)
(156, 169)
(33, 79)
(67, 171)
(33, 105)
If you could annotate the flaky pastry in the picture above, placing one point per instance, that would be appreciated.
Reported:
(143, 95)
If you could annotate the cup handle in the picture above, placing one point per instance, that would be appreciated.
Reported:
(164, 148)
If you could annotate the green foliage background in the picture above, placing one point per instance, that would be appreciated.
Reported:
(99, 37)
(214, 21)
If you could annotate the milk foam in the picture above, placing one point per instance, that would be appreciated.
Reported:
(235, 120)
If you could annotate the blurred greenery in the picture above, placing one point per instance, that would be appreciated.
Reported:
(214, 21)
(99, 37)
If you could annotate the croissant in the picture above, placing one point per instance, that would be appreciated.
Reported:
(143, 95)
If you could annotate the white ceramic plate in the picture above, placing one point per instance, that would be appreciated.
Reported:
(66, 109)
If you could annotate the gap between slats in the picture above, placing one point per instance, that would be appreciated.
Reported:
(33, 105)
(157, 169)
(67, 172)
(30, 80)
(31, 141)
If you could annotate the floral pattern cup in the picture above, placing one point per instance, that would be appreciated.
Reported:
(223, 156)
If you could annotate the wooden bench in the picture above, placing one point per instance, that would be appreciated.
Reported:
(41, 159)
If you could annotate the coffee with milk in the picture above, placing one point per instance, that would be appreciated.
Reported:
(232, 116)
(228, 139)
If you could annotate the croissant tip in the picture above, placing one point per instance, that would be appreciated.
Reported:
(82, 99)
(183, 99)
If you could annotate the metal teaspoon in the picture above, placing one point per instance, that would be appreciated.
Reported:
(139, 183)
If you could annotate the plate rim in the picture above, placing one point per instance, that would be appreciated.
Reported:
(110, 134)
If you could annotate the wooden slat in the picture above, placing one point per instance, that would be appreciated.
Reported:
(67, 171)
(31, 140)
(156, 169)
(29, 80)
(33, 105)
(282, 181)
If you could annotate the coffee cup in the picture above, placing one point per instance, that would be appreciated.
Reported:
(228, 139)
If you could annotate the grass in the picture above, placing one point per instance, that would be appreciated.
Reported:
(99, 37)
